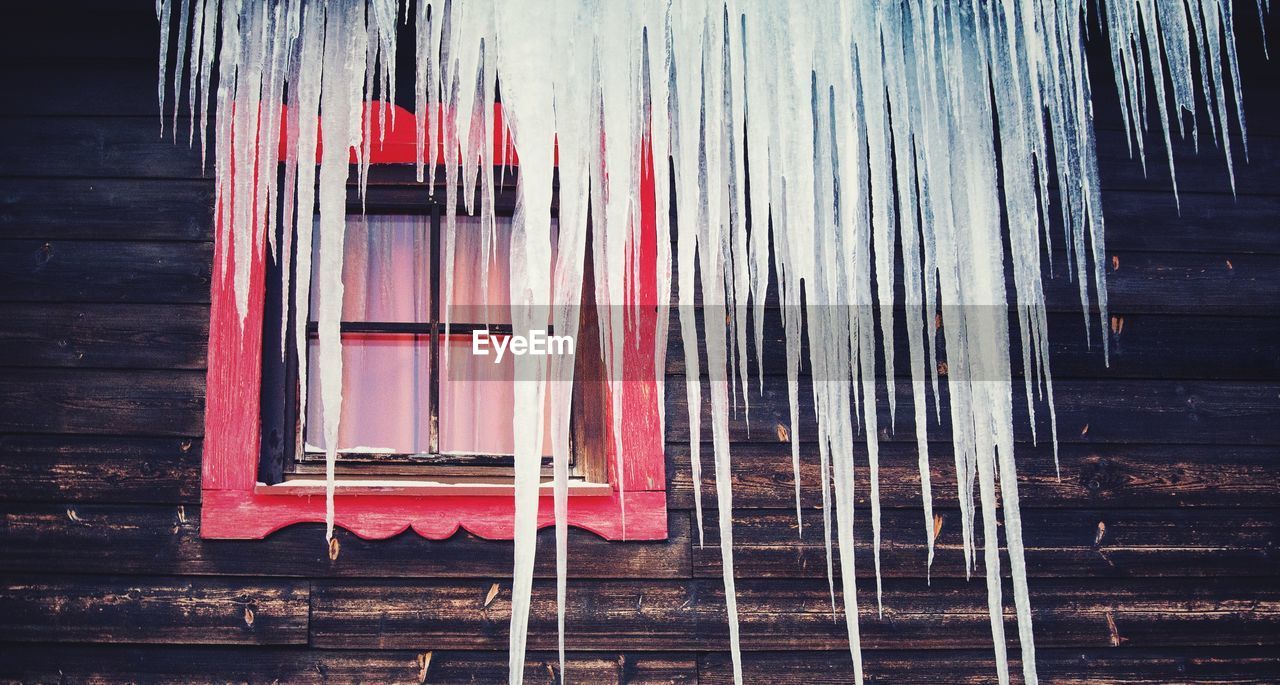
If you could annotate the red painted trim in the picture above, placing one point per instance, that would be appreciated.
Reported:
(398, 143)
(240, 514)
(231, 507)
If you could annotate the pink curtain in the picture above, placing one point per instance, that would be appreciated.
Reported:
(387, 277)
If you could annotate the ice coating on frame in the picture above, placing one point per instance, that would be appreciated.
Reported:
(821, 141)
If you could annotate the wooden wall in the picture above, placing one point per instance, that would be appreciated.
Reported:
(1153, 558)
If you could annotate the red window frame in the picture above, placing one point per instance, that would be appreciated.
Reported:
(236, 506)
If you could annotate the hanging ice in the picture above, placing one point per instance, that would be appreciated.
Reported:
(823, 141)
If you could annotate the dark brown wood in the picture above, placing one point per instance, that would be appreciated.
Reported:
(132, 147)
(782, 614)
(1064, 666)
(217, 665)
(591, 435)
(73, 401)
(1182, 283)
(1080, 543)
(106, 209)
(1194, 222)
(148, 539)
(104, 336)
(112, 402)
(100, 271)
(1094, 411)
(1173, 448)
(70, 468)
(1093, 476)
(153, 610)
(1142, 346)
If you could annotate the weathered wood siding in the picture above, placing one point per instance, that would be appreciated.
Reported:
(1153, 559)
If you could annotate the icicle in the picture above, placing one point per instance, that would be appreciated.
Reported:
(341, 108)
(812, 141)
(573, 123)
(684, 36)
(529, 102)
(164, 12)
(184, 21)
(312, 41)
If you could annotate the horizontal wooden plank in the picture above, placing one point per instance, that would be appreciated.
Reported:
(49, 608)
(110, 336)
(99, 335)
(1142, 346)
(1192, 412)
(165, 540)
(1093, 411)
(1200, 283)
(129, 88)
(112, 208)
(171, 403)
(1093, 476)
(132, 147)
(1193, 222)
(159, 403)
(1059, 666)
(29, 36)
(219, 665)
(1073, 543)
(95, 147)
(1193, 283)
(67, 468)
(1202, 171)
(36, 270)
(105, 271)
(776, 614)
(106, 209)
(111, 88)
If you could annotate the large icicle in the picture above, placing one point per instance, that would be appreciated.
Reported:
(824, 142)
(340, 106)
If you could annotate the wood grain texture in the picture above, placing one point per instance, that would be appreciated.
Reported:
(150, 403)
(1076, 543)
(1059, 666)
(82, 146)
(70, 468)
(1088, 411)
(218, 665)
(104, 336)
(105, 274)
(153, 610)
(106, 209)
(1142, 345)
(792, 614)
(149, 539)
(104, 271)
(1092, 476)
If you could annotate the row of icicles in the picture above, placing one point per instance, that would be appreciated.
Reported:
(868, 127)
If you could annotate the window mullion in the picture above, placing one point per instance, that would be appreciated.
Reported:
(433, 391)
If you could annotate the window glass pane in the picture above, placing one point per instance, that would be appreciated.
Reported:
(386, 269)
(477, 402)
(471, 302)
(385, 386)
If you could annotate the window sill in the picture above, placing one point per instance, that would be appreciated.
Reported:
(306, 487)
(260, 510)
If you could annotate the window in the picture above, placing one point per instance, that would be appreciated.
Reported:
(419, 407)
(422, 444)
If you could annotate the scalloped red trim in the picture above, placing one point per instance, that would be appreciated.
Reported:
(232, 509)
